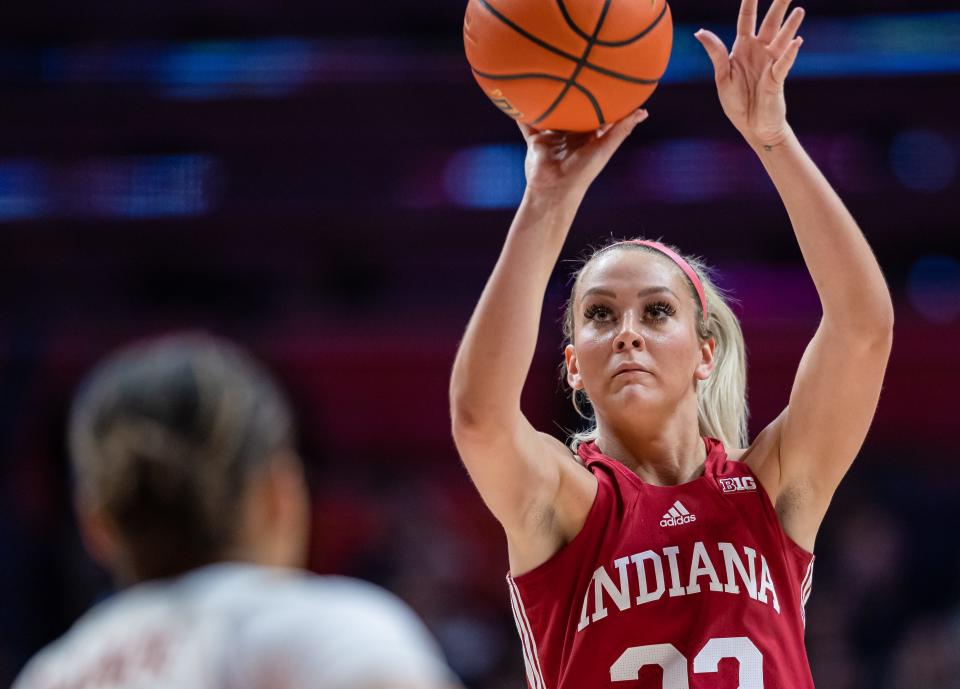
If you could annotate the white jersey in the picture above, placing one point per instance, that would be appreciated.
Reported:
(236, 626)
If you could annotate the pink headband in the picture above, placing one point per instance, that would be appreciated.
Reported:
(681, 263)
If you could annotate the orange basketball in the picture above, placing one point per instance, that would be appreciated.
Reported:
(569, 65)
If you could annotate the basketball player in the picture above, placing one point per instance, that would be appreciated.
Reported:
(666, 550)
(191, 493)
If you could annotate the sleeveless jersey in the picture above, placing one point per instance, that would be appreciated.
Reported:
(237, 626)
(694, 586)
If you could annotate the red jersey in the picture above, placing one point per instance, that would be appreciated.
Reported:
(693, 586)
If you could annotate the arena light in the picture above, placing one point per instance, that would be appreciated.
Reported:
(881, 45)
(692, 169)
(485, 176)
(923, 160)
(23, 190)
(130, 187)
(835, 48)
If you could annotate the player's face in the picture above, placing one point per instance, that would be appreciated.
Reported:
(635, 348)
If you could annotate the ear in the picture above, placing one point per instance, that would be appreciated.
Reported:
(99, 534)
(573, 367)
(708, 361)
(291, 501)
(278, 513)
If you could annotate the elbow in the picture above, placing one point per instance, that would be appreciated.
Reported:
(470, 420)
(884, 316)
(877, 335)
(469, 429)
(466, 416)
(871, 325)
(473, 421)
(876, 330)
(882, 325)
(479, 407)
(462, 418)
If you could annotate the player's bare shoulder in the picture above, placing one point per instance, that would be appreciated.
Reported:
(763, 457)
(552, 525)
(577, 490)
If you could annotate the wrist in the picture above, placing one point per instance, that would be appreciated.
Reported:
(769, 144)
(554, 198)
(546, 211)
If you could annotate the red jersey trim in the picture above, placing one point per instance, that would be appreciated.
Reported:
(531, 657)
(806, 584)
(773, 509)
(591, 454)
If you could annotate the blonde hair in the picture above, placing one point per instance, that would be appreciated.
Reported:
(722, 398)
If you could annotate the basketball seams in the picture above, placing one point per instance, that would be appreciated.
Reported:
(595, 50)
(519, 75)
(551, 77)
(569, 20)
(580, 64)
(593, 100)
(622, 77)
(526, 34)
(564, 54)
(644, 32)
(610, 44)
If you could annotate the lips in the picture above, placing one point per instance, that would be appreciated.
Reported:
(629, 367)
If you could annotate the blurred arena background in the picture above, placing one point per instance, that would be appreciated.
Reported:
(325, 183)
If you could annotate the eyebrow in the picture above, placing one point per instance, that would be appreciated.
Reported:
(642, 293)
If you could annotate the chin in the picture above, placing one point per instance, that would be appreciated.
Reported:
(635, 399)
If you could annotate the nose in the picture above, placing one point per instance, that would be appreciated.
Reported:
(629, 335)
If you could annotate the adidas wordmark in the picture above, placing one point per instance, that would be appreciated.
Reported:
(677, 515)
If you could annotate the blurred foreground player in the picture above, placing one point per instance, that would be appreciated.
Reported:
(190, 492)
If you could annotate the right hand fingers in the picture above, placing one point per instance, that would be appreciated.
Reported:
(610, 137)
(526, 130)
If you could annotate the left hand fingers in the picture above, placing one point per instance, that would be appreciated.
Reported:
(747, 21)
(773, 20)
(717, 52)
(781, 68)
(782, 40)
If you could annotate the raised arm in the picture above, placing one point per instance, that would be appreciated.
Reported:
(837, 387)
(518, 471)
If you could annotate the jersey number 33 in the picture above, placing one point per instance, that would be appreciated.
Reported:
(675, 665)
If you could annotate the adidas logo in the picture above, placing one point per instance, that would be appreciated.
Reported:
(677, 515)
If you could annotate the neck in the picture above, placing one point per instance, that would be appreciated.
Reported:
(666, 453)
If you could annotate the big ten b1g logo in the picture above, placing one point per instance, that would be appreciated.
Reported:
(737, 484)
(501, 102)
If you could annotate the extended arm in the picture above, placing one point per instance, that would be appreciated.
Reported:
(837, 387)
(517, 470)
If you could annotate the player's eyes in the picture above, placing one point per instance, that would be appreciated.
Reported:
(660, 310)
(598, 312)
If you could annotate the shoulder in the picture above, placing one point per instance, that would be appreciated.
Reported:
(763, 458)
(552, 525)
(341, 632)
(281, 599)
(787, 499)
(342, 597)
(99, 636)
(249, 621)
